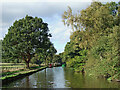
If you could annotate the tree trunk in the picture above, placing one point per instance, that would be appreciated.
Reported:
(45, 60)
(27, 63)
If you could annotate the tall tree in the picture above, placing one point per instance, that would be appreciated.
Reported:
(25, 37)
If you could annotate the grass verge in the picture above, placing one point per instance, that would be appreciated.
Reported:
(20, 74)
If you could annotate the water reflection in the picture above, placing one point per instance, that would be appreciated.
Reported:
(58, 77)
(79, 80)
(59, 80)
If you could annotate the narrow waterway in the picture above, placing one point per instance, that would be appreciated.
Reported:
(58, 77)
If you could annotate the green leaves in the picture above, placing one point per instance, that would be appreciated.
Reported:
(95, 39)
(25, 37)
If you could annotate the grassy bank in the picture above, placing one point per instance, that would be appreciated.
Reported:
(13, 71)
(20, 74)
(9, 67)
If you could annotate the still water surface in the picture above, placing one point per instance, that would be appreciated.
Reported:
(58, 77)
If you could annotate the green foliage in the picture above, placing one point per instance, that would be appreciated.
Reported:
(44, 55)
(25, 38)
(74, 55)
(96, 32)
(57, 59)
(9, 73)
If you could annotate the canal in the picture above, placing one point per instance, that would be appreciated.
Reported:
(58, 77)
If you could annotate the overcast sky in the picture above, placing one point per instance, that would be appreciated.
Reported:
(49, 10)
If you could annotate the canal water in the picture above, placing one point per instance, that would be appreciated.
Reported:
(58, 77)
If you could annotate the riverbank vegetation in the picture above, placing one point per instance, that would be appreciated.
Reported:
(95, 40)
(19, 74)
(15, 68)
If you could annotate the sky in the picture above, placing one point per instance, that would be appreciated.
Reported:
(49, 10)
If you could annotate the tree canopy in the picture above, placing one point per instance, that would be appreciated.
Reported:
(25, 38)
(96, 38)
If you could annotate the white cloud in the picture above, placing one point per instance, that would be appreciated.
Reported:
(49, 10)
(58, 30)
(0, 16)
(3, 31)
(19, 1)
(57, 0)
(67, 33)
(46, 0)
